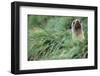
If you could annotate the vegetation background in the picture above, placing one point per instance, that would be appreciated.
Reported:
(49, 37)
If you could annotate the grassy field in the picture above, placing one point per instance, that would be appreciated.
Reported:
(49, 37)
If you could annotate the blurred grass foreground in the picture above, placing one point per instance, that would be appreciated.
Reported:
(49, 38)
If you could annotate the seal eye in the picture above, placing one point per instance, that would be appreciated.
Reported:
(73, 23)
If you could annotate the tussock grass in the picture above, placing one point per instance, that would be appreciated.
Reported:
(49, 37)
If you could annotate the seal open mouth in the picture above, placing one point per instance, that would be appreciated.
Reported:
(77, 25)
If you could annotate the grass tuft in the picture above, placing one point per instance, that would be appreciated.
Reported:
(49, 37)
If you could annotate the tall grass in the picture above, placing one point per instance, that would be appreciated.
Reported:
(49, 37)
